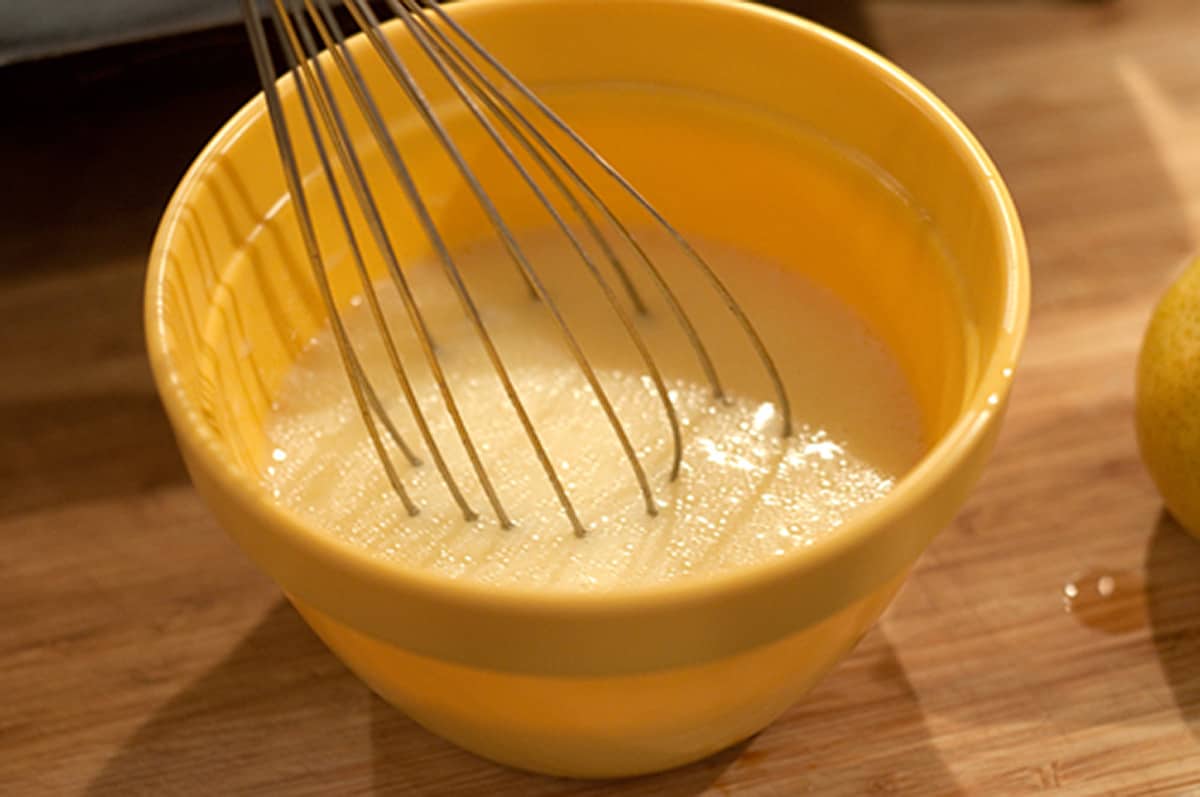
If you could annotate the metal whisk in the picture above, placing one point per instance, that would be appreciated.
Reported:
(306, 28)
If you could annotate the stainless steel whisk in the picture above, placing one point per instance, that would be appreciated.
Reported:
(306, 28)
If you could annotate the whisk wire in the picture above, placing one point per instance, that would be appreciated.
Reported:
(354, 371)
(486, 91)
(430, 28)
(335, 128)
(631, 330)
(331, 32)
(490, 91)
(396, 65)
(727, 298)
(370, 24)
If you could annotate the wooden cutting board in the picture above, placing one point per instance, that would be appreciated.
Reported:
(140, 653)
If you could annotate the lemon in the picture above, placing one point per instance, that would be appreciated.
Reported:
(1168, 398)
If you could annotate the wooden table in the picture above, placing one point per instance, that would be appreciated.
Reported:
(140, 652)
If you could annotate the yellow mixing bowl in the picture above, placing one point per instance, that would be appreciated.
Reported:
(602, 685)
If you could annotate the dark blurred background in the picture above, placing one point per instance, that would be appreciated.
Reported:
(32, 30)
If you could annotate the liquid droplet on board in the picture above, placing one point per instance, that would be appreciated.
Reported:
(1111, 601)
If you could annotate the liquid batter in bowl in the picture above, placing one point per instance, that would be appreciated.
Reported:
(744, 494)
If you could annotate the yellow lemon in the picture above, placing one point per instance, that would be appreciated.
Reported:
(1168, 398)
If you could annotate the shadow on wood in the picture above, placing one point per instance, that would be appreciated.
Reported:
(1173, 602)
(56, 451)
(257, 705)
(896, 756)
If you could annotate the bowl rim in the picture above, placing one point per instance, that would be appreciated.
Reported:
(978, 415)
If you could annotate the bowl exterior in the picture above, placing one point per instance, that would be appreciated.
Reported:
(602, 727)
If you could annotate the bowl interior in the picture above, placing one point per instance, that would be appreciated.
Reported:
(246, 301)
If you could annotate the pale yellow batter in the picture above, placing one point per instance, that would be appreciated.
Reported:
(744, 494)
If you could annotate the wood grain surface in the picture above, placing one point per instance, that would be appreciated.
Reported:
(141, 654)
